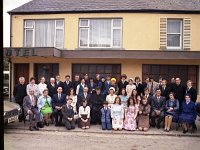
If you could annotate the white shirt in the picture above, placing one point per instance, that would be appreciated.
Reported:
(83, 111)
(129, 89)
(110, 99)
(42, 87)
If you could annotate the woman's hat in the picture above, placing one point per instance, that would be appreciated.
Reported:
(112, 88)
(130, 79)
(113, 79)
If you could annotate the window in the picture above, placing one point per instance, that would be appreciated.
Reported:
(44, 33)
(174, 34)
(100, 33)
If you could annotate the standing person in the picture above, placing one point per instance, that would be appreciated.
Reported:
(92, 86)
(30, 108)
(172, 84)
(96, 102)
(165, 89)
(42, 86)
(68, 115)
(82, 96)
(131, 111)
(59, 83)
(179, 91)
(76, 81)
(79, 89)
(152, 86)
(102, 85)
(192, 91)
(188, 113)
(67, 85)
(123, 97)
(158, 107)
(52, 87)
(58, 100)
(130, 87)
(44, 106)
(97, 79)
(139, 86)
(33, 86)
(114, 85)
(84, 115)
(143, 115)
(110, 98)
(122, 83)
(172, 108)
(117, 114)
(107, 84)
(19, 93)
(148, 96)
(87, 80)
(145, 83)
(106, 117)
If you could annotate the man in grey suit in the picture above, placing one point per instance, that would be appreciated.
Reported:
(152, 86)
(158, 107)
(30, 108)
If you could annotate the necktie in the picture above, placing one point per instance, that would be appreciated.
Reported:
(59, 96)
(85, 95)
(151, 88)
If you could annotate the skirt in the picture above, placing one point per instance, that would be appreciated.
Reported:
(84, 124)
(46, 110)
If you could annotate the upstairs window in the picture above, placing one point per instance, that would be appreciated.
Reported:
(44, 33)
(100, 33)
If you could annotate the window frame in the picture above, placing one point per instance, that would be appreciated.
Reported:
(88, 32)
(181, 35)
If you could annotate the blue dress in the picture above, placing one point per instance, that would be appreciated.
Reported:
(174, 104)
(188, 113)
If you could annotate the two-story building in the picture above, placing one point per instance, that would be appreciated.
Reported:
(136, 37)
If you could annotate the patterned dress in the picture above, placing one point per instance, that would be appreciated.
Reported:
(117, 115)
(129, 116)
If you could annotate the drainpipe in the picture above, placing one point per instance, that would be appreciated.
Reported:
(10, 62)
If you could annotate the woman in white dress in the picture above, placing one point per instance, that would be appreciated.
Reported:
(130, 87)
(110, 98)
(42, 86)
(117, 114)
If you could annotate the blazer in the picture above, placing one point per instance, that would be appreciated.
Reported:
(27, 103)
(179, 91)
(41, 102)
(58, 102)
(193, 92)
(139, 88)
(67, 112)
(92, 87)
(158, 105)
(66, 87)
(165, 92)
(121, 86)
(155, 86)
(59, 84)
(80, 97)
(105, 115)
(19, 92)
(52, 89)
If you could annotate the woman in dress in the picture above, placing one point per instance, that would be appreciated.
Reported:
(143, 117)
(171, 107)
(84, 115)
(44, 106)
(136, 97)
(42, 86)
(110, 98)
(123, 97)
(131, 112)
(130, 87)
(188, 113)
(117, 114)
(73, 96)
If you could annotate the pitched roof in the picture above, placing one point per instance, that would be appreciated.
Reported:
(73, 6)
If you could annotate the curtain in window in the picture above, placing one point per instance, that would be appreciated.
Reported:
(29, 38)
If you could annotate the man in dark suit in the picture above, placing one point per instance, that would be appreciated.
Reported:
(139, 86)
(158, 107)
(59, 83)
(122, 83)
(76, 81)
(87, 80)
(19, 94)
(192, 91)
(146, 81)
(91, 86)
(148, 96)
(58, 101)
(30, 108)
(165, 89)
(83, 96)
(67, 85)
(52, 87)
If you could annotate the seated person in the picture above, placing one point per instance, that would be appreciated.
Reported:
(158, 106)
(172, 107)
(68, 115)
(143, 118)
(188, 114)
(84, 115)
(106, 117)
(30, 108)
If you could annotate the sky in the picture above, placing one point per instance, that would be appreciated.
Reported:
(7, 6)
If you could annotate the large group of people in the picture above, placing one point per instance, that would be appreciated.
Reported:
(127, 104)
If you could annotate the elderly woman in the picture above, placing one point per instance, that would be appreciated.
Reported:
(110, 98)
(44, 106)
(171, 107)
(188, 114)
(130, 87)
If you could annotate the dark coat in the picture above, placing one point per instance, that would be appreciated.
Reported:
(96, 101)
(80, 97)
(59, 84)
(139, 88)
(52, 89)
(19, 93)
(75, 84)
(58, 102)
(67, 112)
(66, 87)
(105, 115)
(179, 91)
(193, 92)
(121, 86)
(165, 92)
(158, 105)
(92, 87)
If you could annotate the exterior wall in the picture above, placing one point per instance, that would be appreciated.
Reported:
(140, 30)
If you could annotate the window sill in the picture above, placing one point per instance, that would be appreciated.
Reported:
(100, 48)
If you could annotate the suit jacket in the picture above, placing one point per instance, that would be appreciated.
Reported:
(155, 86)
(58, 102)
(121, 86)
(67, 112)
(96, 101)
(27, 103)
(59, 84)
(92, 87)
(80, 97)
(66, 87)
(52, 89)
(149, 99)
(179, 91)
(19, 93)
(139, 88)
(165, 92)
(158, 104)
(75, 84)
(193, 92)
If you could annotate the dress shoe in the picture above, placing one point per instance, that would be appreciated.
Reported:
(31, 128)
(36, 128)
(56, 124)
(158, 126)
(185, 131)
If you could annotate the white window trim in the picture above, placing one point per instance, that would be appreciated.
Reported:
(112, 28)
(181, 36)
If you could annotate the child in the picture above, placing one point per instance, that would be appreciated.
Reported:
(105, 117)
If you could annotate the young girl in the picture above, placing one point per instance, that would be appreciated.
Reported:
(130, 115)
(84, 115)
(123, 97)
